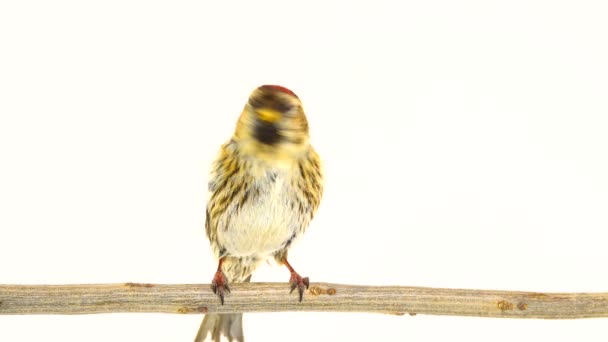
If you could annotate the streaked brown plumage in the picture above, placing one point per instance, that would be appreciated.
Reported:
(264, 189)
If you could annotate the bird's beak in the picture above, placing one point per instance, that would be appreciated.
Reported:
(268, 115)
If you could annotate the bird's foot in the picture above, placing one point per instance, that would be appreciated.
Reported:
(219, 285)
(298, 282)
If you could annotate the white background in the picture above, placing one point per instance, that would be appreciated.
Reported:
(465, 146)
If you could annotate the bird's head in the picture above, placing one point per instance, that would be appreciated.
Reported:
(273, 123)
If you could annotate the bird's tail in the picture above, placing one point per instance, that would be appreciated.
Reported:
(229, 325)
(236, 270)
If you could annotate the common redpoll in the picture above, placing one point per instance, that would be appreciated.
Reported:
(264, 188)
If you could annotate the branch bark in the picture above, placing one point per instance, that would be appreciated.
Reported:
(275, 297)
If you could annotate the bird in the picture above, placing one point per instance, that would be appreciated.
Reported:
(264, 189)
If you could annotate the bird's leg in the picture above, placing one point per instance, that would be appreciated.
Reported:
(296, 280)
(219, 284)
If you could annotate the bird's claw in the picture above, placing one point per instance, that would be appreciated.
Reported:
(300, 283)
(219, 285)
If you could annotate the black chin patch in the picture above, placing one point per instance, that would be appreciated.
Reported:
(267, 133)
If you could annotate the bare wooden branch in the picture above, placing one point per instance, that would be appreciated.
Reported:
(274, 297)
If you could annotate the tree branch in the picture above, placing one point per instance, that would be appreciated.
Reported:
(274, 297)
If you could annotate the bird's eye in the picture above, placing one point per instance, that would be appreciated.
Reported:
(267, 97)
(284, 107)
(255, 103)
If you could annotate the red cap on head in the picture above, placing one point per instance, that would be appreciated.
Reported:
(279, 88)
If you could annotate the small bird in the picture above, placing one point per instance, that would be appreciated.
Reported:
(264, 189)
